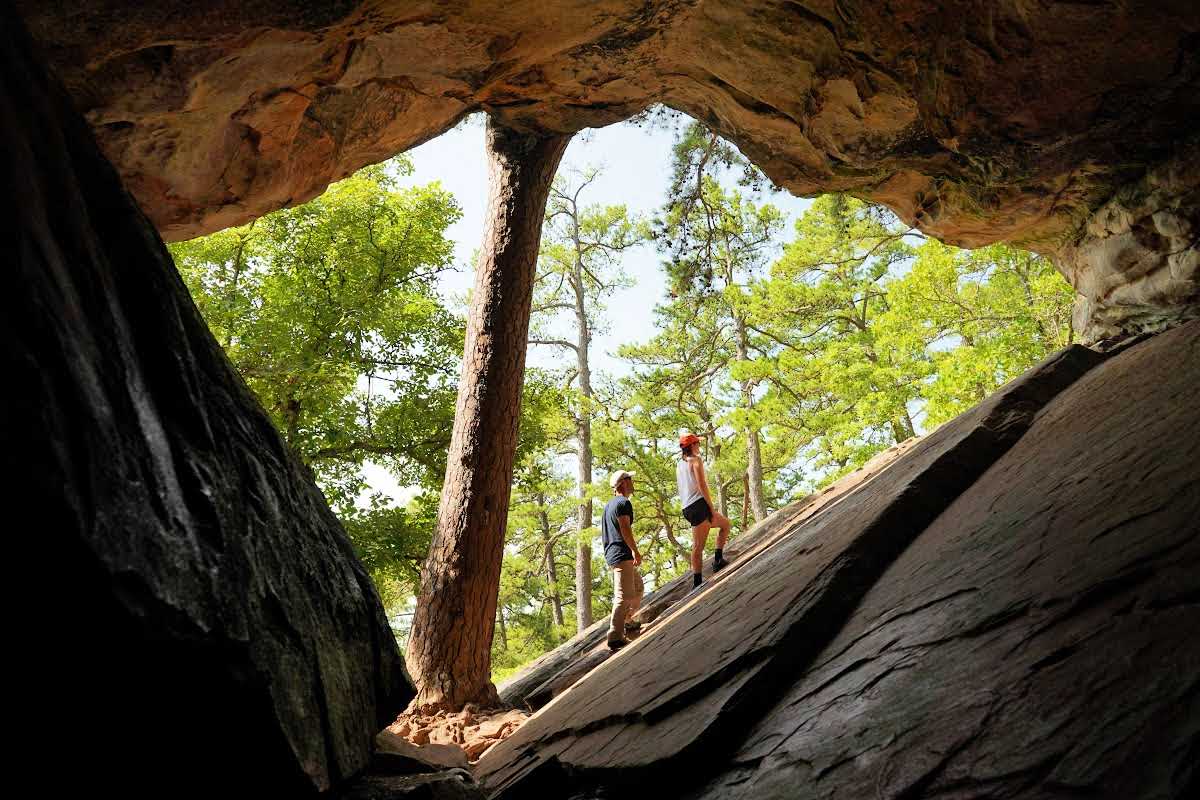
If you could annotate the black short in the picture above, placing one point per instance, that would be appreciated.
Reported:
(699, 511)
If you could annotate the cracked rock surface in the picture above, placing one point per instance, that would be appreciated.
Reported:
(976, 120)
(1007, 610)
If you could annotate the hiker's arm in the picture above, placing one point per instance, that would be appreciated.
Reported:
(627, 535)
(702, 482)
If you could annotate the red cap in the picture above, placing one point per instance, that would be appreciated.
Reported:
(688, 439)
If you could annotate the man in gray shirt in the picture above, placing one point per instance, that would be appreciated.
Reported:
(621, 553)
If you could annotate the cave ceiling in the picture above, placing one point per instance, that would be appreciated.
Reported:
(976, 121)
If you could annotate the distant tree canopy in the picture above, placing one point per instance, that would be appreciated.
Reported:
(329, 311)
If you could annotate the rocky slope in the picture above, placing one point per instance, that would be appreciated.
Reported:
(197, 620)
(976, 120)
(1006, 610)
(555, 672)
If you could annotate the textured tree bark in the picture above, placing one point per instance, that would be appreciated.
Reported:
(745, 499)
(754, 472)
(716, 481)
(450, 646)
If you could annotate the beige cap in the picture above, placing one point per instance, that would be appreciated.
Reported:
(619, 476)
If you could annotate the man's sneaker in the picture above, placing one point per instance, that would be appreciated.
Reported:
(633, 627)
(719, 562)
(617, 644)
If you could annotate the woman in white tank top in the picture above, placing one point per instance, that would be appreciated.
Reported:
(698, 507)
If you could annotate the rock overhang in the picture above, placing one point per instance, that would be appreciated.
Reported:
(975, 121)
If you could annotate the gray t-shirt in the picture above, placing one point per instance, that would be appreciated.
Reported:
(615, 549)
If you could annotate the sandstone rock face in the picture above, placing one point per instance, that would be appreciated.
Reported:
(1007, 610)
(1137, 266)
(198, 607)
(976, 120)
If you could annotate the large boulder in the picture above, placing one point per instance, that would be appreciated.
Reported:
(1006, 610)
(1039, 638)
(976, 120)
(199, 611)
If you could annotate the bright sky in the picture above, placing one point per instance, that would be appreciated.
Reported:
(636, 169)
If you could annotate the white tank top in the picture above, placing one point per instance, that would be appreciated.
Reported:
(689, 488)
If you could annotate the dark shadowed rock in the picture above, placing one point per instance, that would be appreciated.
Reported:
(1039, 638)
(199, 608)
(673, 703)
(395, 755)
(454, 784)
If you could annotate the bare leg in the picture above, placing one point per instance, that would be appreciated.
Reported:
(699, 539)
(722, 522)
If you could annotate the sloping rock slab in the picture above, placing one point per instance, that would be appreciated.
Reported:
(556, 671)
(669, 703)
(1040, 638)
(196, 602)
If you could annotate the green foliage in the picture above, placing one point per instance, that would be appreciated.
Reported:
(329, 312)
(392, 542)
(978, 318)
(837, 387)
(858, 334)
(719, 242)
(879, 333)
(537, 578)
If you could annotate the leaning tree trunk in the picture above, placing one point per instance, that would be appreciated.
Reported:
(449, 652)
(754, 470)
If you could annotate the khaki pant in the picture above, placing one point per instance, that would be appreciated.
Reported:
(627, 597)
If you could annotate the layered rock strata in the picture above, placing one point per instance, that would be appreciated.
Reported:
(975, 120)
(198, 607)
(1005, 611)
